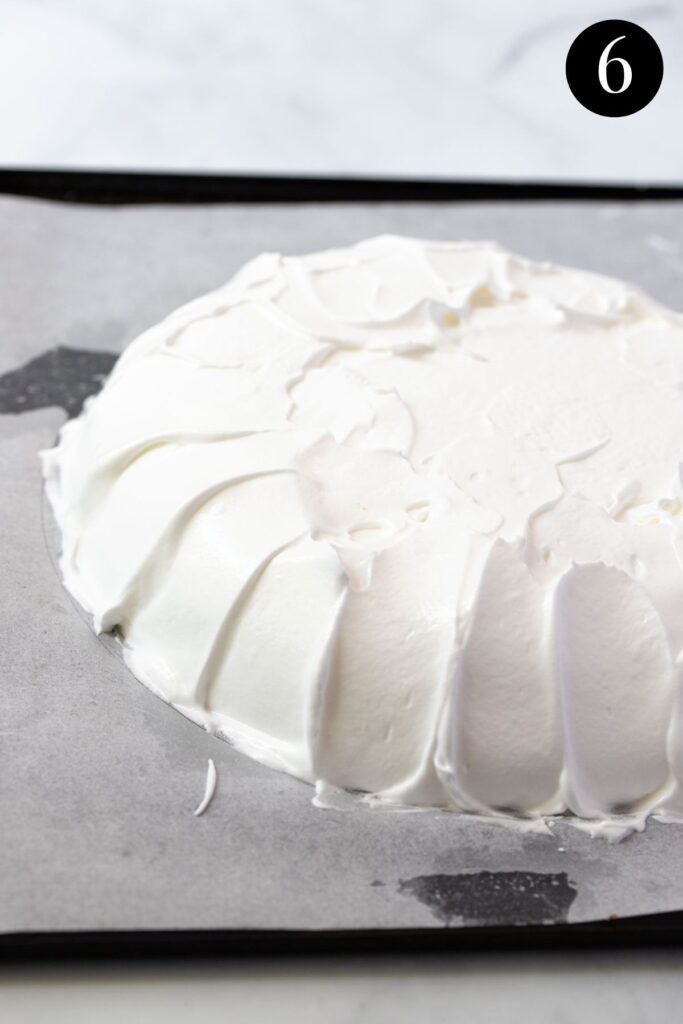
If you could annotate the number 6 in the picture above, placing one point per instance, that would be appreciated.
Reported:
(605, 60)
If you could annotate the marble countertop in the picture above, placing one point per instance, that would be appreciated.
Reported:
(569, 988)
(426, 88)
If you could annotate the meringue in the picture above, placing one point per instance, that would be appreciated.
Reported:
(403, 518)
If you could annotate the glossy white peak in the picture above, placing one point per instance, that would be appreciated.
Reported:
(402, 518)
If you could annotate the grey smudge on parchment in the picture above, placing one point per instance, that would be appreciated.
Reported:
(494, 897)
(61, 376)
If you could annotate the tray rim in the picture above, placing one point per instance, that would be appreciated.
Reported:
(117, 187)
(637, 932)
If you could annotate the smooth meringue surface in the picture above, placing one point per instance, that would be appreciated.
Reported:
(403, 518)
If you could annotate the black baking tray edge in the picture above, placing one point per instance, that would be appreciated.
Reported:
(151, 187)
(656, 930)
(122, 187)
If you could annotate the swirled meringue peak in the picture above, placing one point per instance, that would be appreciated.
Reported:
(403, 518)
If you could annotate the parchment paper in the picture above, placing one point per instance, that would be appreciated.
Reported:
(98, 778)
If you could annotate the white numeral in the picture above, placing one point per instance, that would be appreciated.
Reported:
(603, 63)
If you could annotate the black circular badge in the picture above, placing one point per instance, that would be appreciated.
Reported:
(614, 68)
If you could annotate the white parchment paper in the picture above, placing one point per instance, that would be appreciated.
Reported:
(98, 778)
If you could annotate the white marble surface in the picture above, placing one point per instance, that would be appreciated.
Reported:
(589, 988)
(433, 88)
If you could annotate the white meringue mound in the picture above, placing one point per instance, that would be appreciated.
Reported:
(403, 518)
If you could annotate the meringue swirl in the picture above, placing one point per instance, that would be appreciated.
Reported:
(403, 518)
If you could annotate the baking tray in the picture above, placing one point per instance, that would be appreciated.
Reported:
(103, 188)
